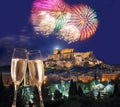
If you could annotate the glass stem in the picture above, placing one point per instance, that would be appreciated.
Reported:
(24, 80)
(15, 96)
(40, 95)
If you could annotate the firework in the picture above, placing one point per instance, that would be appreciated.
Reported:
(69, 33)
(45, 23)
(84, 18)
(72, 24)
(49, 15)
(62, 20)
(50, 5)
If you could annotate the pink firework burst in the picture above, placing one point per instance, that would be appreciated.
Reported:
(51, 5)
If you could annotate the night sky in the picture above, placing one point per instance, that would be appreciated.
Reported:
(16, 31)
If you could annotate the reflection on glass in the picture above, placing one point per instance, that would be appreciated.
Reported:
(36, 69)
(18, 69)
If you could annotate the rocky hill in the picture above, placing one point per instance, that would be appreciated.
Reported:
(67, 59)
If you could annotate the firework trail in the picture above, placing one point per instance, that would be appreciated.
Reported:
(49, 15)
(72, 24)
(84, 18)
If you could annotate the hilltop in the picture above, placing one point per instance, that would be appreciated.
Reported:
(67, 59)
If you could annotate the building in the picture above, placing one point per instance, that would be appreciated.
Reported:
(6, 78)
(68, 58)
(110, 76)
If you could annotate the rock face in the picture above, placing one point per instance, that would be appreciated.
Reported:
(68, 58)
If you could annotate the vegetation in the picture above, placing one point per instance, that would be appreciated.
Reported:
(28, 96)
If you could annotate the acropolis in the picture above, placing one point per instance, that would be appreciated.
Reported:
(68, 58)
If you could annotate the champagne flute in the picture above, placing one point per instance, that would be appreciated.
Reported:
(36, 69)
(18, 69)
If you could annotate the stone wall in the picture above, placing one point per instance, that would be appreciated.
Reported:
(74, 58)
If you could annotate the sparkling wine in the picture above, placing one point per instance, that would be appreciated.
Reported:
(18, 70)
(36, 69)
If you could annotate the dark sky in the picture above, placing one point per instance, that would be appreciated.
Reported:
(16, 31)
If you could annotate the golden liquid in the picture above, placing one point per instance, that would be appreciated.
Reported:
(18, 70)
(36, 69)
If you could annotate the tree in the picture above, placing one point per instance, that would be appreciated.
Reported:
(115, 89)
(45, 92)
(57, 95)
(1, 82)
(79, 91)
(73, 88)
